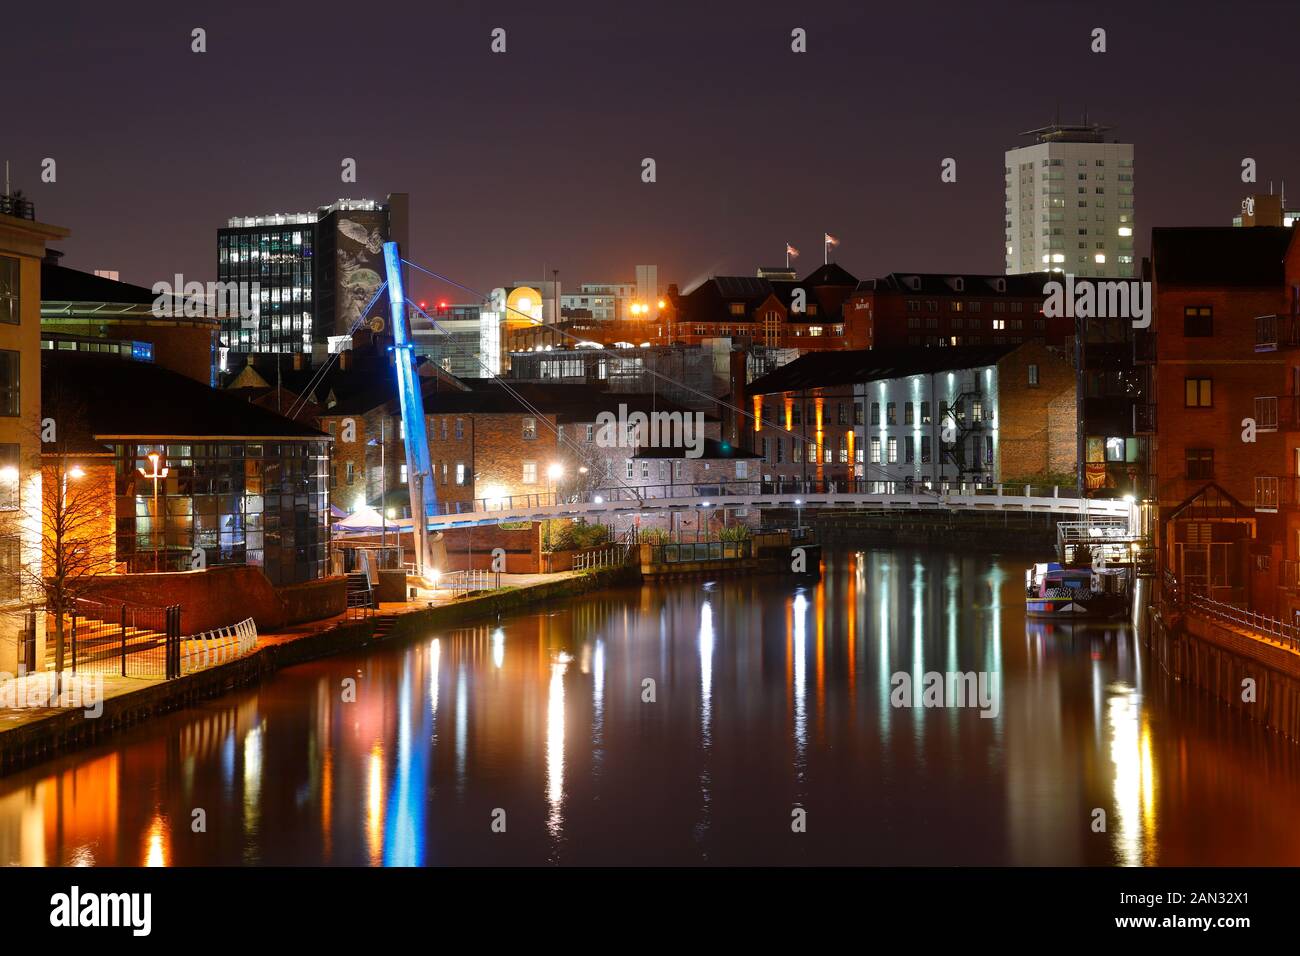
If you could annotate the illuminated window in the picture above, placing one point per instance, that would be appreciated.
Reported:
(1198, 393)
(9, 476)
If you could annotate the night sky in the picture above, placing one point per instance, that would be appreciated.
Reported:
(531, 159)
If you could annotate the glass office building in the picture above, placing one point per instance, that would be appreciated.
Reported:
(278, 258)
(314, 273)
(262, 503)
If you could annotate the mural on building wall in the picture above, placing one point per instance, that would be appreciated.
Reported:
(360, 265)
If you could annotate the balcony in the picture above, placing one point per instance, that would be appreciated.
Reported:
(17, 206)
(1144, 419)
(1276, 492)
(1277, 412)
(1274, 332)
(1144, 346)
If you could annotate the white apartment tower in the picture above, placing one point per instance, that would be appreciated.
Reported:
(1069, 203)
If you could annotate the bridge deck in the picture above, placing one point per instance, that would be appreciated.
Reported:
(733, 495)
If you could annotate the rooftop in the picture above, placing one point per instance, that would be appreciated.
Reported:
(1024, 285)
(1070, 133)
(94, 398)
(830, 368)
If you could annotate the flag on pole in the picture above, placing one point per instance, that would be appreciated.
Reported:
(791, 251)
(828, 242)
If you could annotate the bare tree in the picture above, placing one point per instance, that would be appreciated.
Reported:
(76, 518)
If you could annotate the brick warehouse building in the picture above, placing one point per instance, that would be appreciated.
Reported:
(759, 309)
(937, 309)
(879, 415)
(486, 443)
(1227, 323)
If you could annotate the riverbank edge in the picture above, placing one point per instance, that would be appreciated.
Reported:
(68, 730)
(1217, 659)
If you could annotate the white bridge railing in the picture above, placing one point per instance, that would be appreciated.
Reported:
(222, 644)
(876, 495)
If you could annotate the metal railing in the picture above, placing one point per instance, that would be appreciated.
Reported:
(1273, 492)
(17, 206)
(613, 556)
(460, 583)
(217, 646)
(1276, 331)
(360, 602)
(1286, 634)
(1271, 628)
(1144, 418)
(753, 487)
(110, 636)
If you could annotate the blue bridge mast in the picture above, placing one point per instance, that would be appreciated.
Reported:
(419, 470)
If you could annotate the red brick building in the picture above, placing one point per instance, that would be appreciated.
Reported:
(937, 309)
(490, 441)
(806, 314)
(1227, 346)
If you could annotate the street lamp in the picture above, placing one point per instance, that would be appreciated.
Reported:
(798, 511)
(155, 474)
(76, 471)
(554, 471)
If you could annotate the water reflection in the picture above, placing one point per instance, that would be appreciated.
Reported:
(769, 695)
(555, 747)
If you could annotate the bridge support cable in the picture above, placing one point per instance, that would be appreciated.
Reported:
(319, 375)
(575, 446)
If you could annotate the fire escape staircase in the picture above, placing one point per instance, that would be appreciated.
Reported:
(961, 415)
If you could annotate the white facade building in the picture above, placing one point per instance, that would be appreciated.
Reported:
(938, 428)
(1070, 204)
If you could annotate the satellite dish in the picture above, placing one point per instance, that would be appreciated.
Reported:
(376, 323)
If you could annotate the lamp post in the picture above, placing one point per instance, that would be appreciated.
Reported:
(76, 471)
(554, 472)
(155, 474)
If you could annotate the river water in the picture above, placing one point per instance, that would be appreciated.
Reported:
(733, 721)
